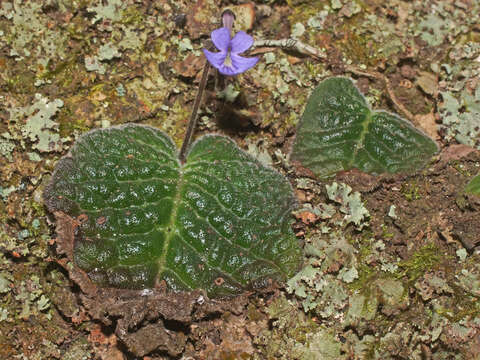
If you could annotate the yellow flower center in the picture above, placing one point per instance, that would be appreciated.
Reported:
(228, 60)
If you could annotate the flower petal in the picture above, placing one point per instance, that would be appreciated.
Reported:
(216, 59)
(241, 64)
(241, 42)
(221, 38)
(228, 70)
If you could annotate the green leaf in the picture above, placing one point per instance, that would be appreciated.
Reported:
(220, 222)
(473, 187)
(338, 131)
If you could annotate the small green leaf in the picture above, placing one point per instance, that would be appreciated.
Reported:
(220, 222)
(338, 131)
(473, 187)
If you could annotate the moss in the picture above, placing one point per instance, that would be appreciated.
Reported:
(253, 313)
(289, 332)
(411, 190)
(132, 16)
(457, 165)
(360, 48)
(22, 82)
(421, 261)
(303, 10)
(366, 276)
(386, 234)
(63, 71)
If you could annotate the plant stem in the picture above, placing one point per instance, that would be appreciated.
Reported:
(228, 17)
(192, 123)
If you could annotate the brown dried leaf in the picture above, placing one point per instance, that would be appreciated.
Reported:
(244, 16)
(199, 18)
(190, 66)
(455, 152)
(428, 124)
(428, 82)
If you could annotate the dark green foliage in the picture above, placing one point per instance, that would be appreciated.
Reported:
(220, 222)
(473, 187)
(338, 131)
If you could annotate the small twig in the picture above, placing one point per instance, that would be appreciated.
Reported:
(192, 123)
(304, 49)
(397, 102)
(291, 44)
(388, 86)
(357, 71)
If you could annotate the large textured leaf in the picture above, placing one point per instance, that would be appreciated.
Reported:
(220, 222)
(338, 131)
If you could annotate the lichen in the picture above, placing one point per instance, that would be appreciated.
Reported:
(108, 10)
(351, 205)
(29, 26)
(295, 336)
(6, 148)
(461, 116)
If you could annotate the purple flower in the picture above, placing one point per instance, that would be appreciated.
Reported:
(227, 61)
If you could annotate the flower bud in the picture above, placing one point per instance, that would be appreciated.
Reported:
(228, 17)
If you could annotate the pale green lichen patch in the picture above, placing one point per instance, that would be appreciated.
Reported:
(107, 10)
(39, 127)
(28, 22)
(461, 116)
(295, 336)
(6, 147)
(318, 290)
(351, 204)
(108, 52)
(34, 126)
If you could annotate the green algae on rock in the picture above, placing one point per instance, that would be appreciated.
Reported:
(338, 131)
(219, 222)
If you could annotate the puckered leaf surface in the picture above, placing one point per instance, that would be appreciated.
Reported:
(473, 187)
(338, 131)
(220, 222)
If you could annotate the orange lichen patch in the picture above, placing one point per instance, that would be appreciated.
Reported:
(293, 59)
(97, 336)
(303, 196)
(105, 346)
(82, 218)
(101, 220)
(306, 217)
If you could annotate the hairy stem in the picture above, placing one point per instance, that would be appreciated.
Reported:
(192, 123)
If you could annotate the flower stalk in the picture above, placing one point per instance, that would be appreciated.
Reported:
(227, 61)
(192, 122)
